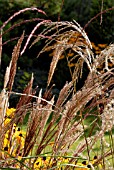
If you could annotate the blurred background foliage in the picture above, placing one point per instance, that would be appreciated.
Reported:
(80, 10)
(83, 10)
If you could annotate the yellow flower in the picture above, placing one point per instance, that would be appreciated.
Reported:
(7, 120)
(70, 54)
(19, 137)
(80, 166)
(38, 164)
(51, 143)
(95, 160)
(9, 112)
(102, 45)
(6, 148)
(83, 166)
(6, 142)
(71, 64)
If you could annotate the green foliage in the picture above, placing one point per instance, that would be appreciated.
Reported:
(77, 10)
(8, 6)
(51, 7)
(101, 25)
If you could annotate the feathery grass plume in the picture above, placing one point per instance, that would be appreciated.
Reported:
(46, 131)
(0, 46)
(67, 118)
(4, 96)
(37, 121)
(43, 35)
(19, 114)
(102, 91)
(46, 112)
(31, 132)
(14, 59)
(4, 99)
(103, 61)
(3, 106)
(108, 116)
(24, 101)
(63, 95)
(31, 34)
(93, 88)
(60, 37)
(20, 23)
(7, 76)
(47, 95)
(57, 53)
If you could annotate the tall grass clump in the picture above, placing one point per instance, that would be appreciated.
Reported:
(75, 131)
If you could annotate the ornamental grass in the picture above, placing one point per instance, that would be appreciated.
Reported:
(74, 131)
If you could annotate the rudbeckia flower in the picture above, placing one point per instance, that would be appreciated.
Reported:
(10, 111)
(38, 164)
